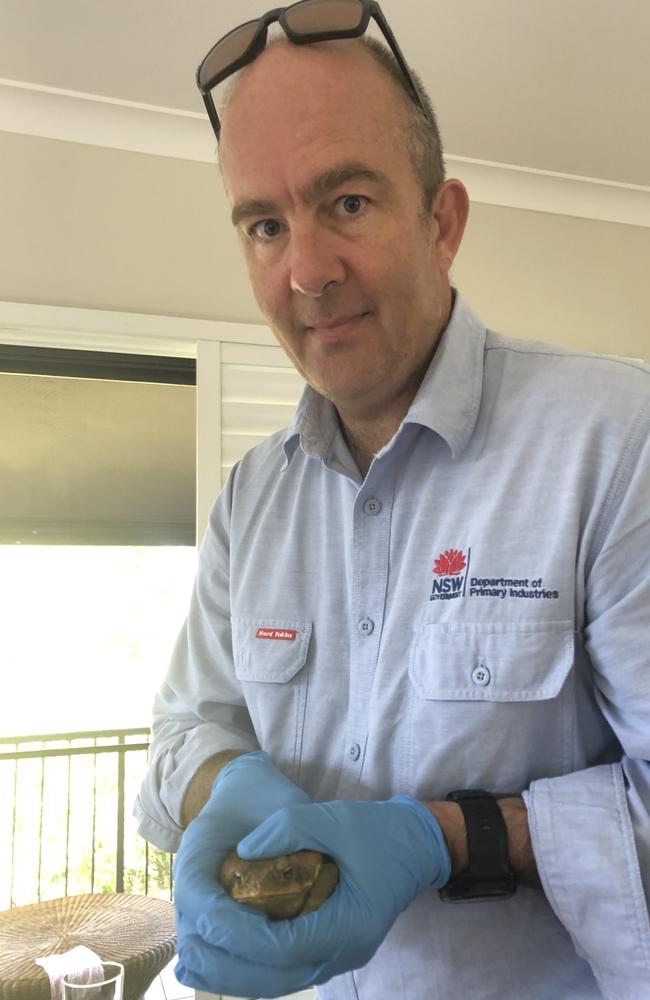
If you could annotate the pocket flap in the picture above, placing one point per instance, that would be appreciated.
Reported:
(515, 661)
(268, 650)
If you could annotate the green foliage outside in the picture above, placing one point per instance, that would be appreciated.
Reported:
(58, 829)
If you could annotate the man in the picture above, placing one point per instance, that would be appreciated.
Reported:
(436, 581)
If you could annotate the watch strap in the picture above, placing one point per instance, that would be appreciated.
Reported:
(489, 874)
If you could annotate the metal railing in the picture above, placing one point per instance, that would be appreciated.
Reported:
(65, 817)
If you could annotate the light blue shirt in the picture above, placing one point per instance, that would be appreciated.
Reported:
(475, 613)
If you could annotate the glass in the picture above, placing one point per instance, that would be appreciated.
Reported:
(303, 22)
(109, 987)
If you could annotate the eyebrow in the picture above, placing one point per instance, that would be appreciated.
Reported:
(321, 185)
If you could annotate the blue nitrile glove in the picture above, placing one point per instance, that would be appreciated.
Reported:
(387, 853)
(247, 791)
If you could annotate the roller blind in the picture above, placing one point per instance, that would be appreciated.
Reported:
(89, 459)
(93, 460)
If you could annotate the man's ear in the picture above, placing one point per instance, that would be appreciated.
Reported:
(450, 210)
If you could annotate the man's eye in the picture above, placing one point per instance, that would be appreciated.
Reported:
(351, 204)
(266, 229)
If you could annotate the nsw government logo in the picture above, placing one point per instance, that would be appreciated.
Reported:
(451, 569)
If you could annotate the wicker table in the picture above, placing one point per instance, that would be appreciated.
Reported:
(135, 930)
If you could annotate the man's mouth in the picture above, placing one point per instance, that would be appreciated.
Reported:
(336, 325)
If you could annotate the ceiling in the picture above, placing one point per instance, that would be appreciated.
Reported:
(552, 85)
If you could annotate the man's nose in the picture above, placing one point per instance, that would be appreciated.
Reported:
(314, 263)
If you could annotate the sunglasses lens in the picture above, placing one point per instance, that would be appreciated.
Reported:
(313, 16)
(227, 51)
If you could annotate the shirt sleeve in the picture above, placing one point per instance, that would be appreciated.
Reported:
(200, 709)
(590, 830)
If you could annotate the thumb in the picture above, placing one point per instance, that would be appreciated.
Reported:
(281, 833)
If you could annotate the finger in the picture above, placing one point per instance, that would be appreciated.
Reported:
(201, 966)
(196, 869)
(216, 914)
(313, 938)
(194, 894)
(201, 853)
(191, 979)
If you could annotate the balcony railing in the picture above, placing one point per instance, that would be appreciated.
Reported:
(65, 817)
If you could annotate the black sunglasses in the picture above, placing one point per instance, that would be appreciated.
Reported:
(303, 22)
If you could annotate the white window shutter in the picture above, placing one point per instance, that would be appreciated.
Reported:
(259, 393)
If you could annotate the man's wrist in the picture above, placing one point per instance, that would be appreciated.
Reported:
(520, 848)
(520, 854)
(450, 819)
(198, 791)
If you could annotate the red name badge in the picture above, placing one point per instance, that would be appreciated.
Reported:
(288, 634)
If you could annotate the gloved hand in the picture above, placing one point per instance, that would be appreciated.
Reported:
(247, 791)
(387, 853)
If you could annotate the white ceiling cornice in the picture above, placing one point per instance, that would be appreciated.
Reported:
(545, 191)
(99, 121)
(71, 116)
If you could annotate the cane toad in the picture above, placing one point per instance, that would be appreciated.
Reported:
(283, 887)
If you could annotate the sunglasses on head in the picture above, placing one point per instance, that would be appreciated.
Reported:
(303, 22)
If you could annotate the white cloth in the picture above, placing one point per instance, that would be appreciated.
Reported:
(80, 965)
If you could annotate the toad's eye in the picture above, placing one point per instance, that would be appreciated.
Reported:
(351, 204)
(265, 229)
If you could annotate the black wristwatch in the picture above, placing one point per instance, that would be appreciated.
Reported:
(488, 875)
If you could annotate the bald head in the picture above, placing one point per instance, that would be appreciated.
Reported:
(348, 72)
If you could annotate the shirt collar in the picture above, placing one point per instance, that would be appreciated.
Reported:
(447, 401)
(449, 397)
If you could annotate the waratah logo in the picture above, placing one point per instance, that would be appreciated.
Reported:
(450, 563)
(451, 571)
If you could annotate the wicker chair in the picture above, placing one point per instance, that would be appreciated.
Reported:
(137, 931)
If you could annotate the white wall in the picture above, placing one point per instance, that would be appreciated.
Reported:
(103, 229)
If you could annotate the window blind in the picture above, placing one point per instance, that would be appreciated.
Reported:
(96, 461)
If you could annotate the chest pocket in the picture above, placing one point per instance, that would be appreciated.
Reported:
(492, 702)
(271, 662)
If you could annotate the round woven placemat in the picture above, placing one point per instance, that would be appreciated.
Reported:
(135, 930)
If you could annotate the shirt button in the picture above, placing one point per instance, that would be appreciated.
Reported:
(366, 626)
(372, 506)
(481, 675)
(355, 751)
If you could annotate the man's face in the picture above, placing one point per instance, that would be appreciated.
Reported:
(350, 275)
